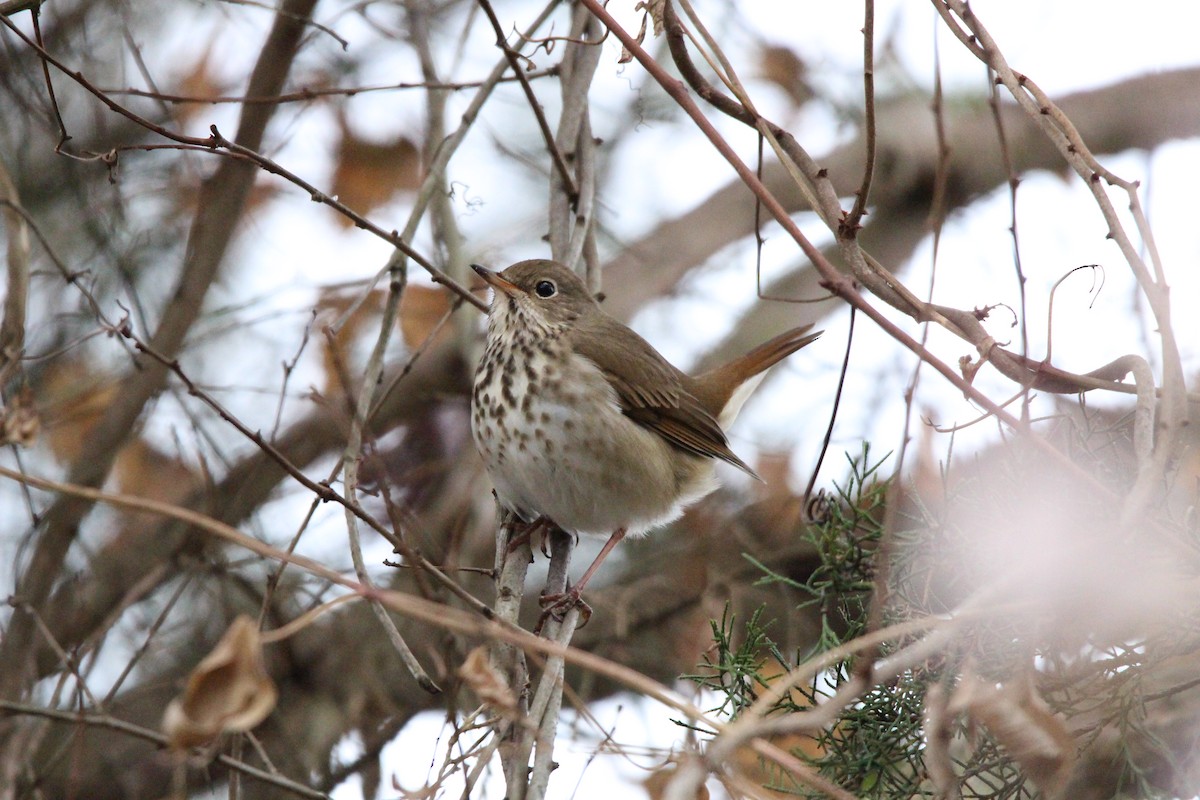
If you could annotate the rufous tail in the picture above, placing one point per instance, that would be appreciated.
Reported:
(724, 389)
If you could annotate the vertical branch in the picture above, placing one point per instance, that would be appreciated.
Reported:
(12, 328)
(571, 201)
(445, 148)
(433, 194)
(350, 460)
(854, 219)
(544, 707)
(445, 226)
(1014, 183)
(572, 239)
(560, 162)
(513, 556)
(547, 704)
(881, 579)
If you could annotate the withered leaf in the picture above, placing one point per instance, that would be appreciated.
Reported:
(657, 10)
(228, 692)
(1023, 724)
(487, 683)
(782, 67)
(19, 422)
(369, 173)
(626, 54)
(658, 781)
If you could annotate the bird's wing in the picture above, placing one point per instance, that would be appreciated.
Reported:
(651, 391)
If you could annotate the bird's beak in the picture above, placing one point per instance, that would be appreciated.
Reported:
(496, 281)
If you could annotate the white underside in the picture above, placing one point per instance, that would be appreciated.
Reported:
(566, 482)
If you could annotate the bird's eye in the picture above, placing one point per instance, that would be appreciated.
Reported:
(545, 289)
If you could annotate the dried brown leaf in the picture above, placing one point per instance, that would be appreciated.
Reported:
(656, 784)
(421, 310)
(201, 80)
(370, 173)
(626, 54)
(19, 421)
(782, 67)
(70, 400)
(228, 692)
(487, 682)
(657, 10)
(1020, 720)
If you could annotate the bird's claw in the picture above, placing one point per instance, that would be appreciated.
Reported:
(525, 532)
(558, 604)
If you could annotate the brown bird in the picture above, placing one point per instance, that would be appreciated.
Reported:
(582, 423)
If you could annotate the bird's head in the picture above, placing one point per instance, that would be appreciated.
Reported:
(543, 294)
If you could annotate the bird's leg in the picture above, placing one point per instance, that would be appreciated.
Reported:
(525, 531)
(561, 550)
(558, 604)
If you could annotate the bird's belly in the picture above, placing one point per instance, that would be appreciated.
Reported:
(572, 456)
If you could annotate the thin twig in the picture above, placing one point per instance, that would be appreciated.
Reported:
(814, 184)
(323, 490)
(16, 297)
(151, 632)
(67, 660)
(546, 704)
(223, 199)
(1172, 412)
(1096, 269)
(350, 460)
(306, 94)
(560, 162)
(832, 278)
(1014, 182)
(217, 142)
(833, 412)
(854, 218)
(400, 243)
(137, 731)
(288, 368)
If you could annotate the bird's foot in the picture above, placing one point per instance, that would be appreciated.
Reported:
(558, 604)
(526, 531)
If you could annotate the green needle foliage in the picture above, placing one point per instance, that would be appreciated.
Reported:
(876, 747)
(1069, 669)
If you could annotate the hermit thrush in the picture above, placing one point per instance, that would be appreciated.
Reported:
(581, 422)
